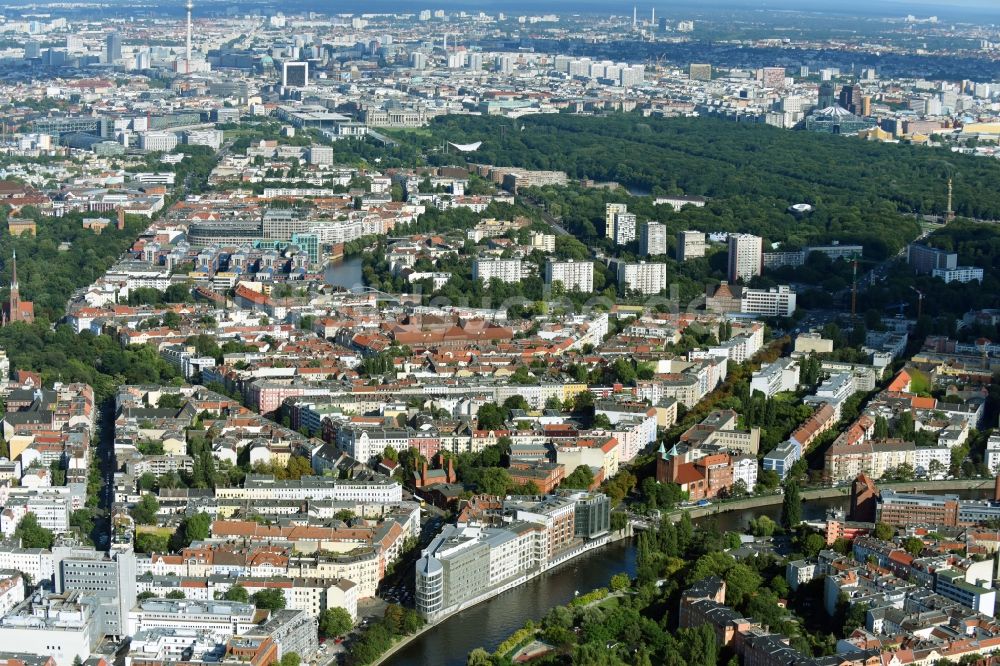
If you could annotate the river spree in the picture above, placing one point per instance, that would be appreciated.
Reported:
(344, 273)
(489, 623)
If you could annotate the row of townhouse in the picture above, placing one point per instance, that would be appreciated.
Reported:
(876, 458)
(781, 458)
(307, 594)
(264, 487)
(686, 382)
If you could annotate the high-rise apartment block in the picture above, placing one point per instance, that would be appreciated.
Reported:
(745, 256)
(113, 48)
(295, 74)
(690, 245)
(610, 210)
(505, 270)
(624, 228)
(827, 95)
(574, 275)
(700, 71)
(543, 242)
(653, 238)
(642, 277)
(924, 259)
(773, 77)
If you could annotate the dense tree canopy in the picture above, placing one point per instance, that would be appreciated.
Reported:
(720, 159)
(31, 534)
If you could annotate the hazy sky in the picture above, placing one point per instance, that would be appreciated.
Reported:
(953, 10)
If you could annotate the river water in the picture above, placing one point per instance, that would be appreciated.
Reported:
(490, 623)
(344, 273)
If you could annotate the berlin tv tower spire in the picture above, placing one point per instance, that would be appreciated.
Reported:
(190, 6)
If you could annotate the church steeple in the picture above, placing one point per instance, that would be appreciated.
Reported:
(15, 310)
(14, 306)
(15, 292)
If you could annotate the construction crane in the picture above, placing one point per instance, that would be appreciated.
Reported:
(920, 302)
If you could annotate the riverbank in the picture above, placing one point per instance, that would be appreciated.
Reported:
(556, 562)
(827, 493)
(401, 643)
(563, 560)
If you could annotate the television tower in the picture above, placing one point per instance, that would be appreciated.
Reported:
(190, 6)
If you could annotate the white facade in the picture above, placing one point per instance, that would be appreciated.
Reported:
(961, 274)
(265, 488)
(35, 563)
(204, 137)
(11, 591)
(993, 453)
(778, 302)
(624, 228)
(158, 141)
(782, 375)
(745, 256)
(515, 553)
(690, 245)
(505, 270)
(543, 242)
(642, 277)
(61, 629)
(52, 513)
(745, 470)
(610, 211)
(574, 275)
(653, 239)
(223, 618)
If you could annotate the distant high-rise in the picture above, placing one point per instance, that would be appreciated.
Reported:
(113, 48)
(32, 50)
(574, 275)
(142, 60)
(700, 72)
(690, 245)
(851, 98)
(624, 228)
(642, 277)
(653, 239)
(295, 75)
(631, 76)
(773, 77)
(504, 64)
(190, 6)
(827, 95)
(610, 211)
(745, 256)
